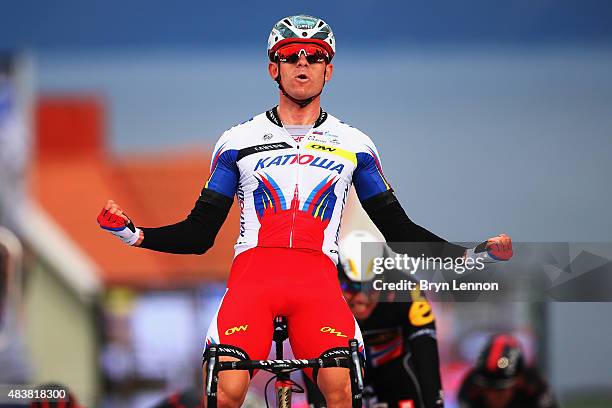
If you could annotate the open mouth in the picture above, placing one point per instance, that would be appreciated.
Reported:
(302, 77)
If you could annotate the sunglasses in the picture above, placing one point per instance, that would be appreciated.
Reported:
(313, 53)
(350, 287)
(353, 288)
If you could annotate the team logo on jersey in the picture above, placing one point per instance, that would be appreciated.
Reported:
(345, 154)
(298, 139)
(268, 196)
(247, 151)
(323, 137)
(303, 159)
(420, 313)
(267, 136)
(322, 199)
(322, 140)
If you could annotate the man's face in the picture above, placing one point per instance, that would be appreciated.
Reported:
(301, 79)
(362, 304)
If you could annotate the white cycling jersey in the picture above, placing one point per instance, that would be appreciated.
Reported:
(292, 190)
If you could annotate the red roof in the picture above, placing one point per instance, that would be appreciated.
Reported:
(154, 189)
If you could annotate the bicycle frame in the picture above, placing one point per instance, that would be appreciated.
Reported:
(282, 368)
(282, 386)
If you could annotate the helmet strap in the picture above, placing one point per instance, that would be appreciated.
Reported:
(301, 102)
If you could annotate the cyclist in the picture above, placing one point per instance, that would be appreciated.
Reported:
(399, 331)
(500, 379)
(291, 169)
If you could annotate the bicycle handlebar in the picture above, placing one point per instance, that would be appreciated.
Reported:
(343, 359)
(284, 365)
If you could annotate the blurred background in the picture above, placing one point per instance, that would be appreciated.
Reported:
(489, 116)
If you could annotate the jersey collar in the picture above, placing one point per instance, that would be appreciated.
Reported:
(272, 115)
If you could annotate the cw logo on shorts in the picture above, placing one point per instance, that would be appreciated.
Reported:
(235, 329)
(331, 330)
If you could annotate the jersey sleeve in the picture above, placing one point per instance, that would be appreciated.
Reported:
(224, 174)
(368, 176)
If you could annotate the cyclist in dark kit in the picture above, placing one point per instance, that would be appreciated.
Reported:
(399, 332)
(500, 379)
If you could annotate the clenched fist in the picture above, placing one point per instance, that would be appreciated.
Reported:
(498, 248)
(113, 219)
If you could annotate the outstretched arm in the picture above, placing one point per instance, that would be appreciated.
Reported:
(194, 235)
(383, 208)
(390, 218)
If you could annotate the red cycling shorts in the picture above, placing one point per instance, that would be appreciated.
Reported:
(300, 284)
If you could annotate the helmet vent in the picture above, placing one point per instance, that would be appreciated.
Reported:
(321, 24)
(287, 22)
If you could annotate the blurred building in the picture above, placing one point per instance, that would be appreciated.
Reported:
(72, 264)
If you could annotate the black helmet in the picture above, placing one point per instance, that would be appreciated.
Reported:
(500, 362)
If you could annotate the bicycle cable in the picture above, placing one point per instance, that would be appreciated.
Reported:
(298, 390)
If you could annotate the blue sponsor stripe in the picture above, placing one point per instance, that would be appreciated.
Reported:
(322, 208)
(367, 178)
(313, 193)
(379, 166)
(278, 190)
(216, 156)
(225, 174)
(330, 204)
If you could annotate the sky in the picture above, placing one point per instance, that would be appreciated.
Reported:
(76, 24)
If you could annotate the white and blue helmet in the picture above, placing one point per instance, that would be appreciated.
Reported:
(301, 28)
(357, 252)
